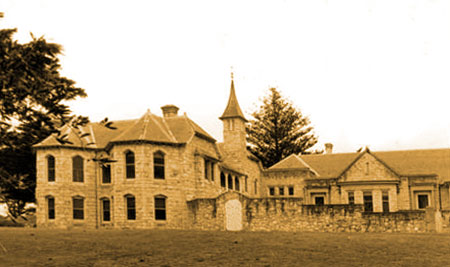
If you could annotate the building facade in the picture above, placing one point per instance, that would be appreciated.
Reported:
(148, 172)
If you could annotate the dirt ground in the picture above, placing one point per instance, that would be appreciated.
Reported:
(38, 247)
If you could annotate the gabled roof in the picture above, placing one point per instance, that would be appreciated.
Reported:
(290, 162)
(329, 165)
(232, 110)
(367, 151)
(152, 128)
(403, 162)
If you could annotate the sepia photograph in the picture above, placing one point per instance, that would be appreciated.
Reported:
(225, 133)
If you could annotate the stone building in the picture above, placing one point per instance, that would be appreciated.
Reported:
(167, 172)
(386, 181)
(142, 174)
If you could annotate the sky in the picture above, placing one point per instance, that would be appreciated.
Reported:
(370, 73)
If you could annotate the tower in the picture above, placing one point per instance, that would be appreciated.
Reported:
(234, 126)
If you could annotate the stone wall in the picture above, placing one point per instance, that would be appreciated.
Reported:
(445, 219)
(290, 214)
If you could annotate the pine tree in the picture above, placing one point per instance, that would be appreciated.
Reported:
(32, 93)
(278, 130)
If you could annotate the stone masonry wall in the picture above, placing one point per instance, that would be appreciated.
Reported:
(290, 214)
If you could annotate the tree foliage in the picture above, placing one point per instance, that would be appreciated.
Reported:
(32, 96)
(278, 130)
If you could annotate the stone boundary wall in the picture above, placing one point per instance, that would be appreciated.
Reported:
(445, 215)
(291, 215)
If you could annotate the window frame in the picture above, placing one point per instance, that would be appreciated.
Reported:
(77, 212)
(51, 211)
(237, 183)
(385, 201)
(159, 167)
(271, 191)
(291, 190)
(351, 197)
(78, 169)
(130, 166)
(160, 211)
(368, 205)
(130, 211)
(106, 179)
(281, 190)
(223, 180)
(51, 170)
(104, 211)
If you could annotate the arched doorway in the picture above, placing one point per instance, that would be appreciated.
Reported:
(233, 215)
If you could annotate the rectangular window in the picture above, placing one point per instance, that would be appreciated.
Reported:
(51, 208)
(256, 187)
(77, 169)
(291, 190)
(78, 208)
(106, 208)
(385, 198)
(209, 170)
(106, 174)
(158, 165)
(281, 190)
(246, 184)
(207, 166)
(368, 202)
(271, 191)
(51, 168)
(351, 198)
(319, 200)
(131, 208)
(422, 201)
(160, 208)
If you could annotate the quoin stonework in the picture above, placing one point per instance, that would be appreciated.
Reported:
(167, 172)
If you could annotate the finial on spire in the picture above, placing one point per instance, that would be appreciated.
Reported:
(232, 74)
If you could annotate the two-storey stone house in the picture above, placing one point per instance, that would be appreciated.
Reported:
(142, 174)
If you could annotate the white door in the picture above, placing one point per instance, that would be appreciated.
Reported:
(233, 215)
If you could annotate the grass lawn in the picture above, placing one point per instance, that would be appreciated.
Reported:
(38, 247)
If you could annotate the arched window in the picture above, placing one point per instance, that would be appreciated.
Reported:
(129, 162)
(51, 168)
(106, 209)
(50, 207)
(223, 182)
(160, 207)
(158, 165)
(78, 207)
(131, 207)
(77, 167)
(236, 183)
(230, 182)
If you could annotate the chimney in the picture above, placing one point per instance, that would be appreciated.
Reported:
(169, 111)
(328, 148)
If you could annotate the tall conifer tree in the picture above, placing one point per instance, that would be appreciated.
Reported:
(278, 130)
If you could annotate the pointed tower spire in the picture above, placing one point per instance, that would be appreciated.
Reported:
(232, 110)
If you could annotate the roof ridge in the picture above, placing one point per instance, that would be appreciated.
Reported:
(144, 131)
(168, 129)
(159, 125)
(125, 131)
(306, 164)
